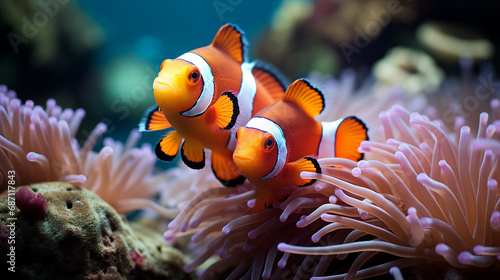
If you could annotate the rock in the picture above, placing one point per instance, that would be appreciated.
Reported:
(80, 237)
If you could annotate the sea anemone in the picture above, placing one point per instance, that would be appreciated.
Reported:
(221, 222)
(428, 196)
(184, 183)
(462, 99)
(40, 146)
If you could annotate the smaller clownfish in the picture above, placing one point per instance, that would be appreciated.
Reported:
(284, 139)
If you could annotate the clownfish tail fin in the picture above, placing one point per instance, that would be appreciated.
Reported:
(226, 111)
(350, 133)
(193, 154)
(168, 147)
(231, 39)
(309, 164)
(153, 119)
(306, 96)
(271, 78)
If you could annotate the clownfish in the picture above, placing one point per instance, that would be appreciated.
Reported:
(284, 139)
(205, 94)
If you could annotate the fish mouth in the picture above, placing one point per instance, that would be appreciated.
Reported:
(161, 83)
(243, 156)
(244, 161)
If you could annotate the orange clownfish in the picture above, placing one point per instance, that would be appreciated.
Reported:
(204, 93)
(284, 139)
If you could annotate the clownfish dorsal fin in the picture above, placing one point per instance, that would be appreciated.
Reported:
(271, 78)
(153, 119)
(168, 147)
(304, 164)
(309, 98)
(350, 133)
(231, 40)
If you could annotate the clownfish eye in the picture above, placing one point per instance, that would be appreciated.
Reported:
(268, 144)
(194, 76)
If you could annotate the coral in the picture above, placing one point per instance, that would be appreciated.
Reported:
(414, 71)
(449, 42)
(329, 35)
(30, 203)
(82, 237)
(52, 40)
(425, 194)
(40, 145)
(47, 39)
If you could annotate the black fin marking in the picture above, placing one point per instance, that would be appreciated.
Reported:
(236, 110)
(318, 170)
(273, 71)
(161, 155)
(190, 163)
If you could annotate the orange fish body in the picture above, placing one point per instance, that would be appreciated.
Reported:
(205, 95)
(284, 139)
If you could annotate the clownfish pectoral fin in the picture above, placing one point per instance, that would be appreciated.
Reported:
(153, 119)
(225, 170)
(265, 199)
(271, 78)
(231, 40)
(304, 164)
(226, 111)
(309, 98)
(168, 147)
(350, 133)
(193, 154)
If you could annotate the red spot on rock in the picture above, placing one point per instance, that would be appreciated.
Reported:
(136, 257)
(30, 203)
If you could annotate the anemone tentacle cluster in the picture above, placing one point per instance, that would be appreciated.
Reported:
(40, 145)
(429, 195)
(425, 194)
